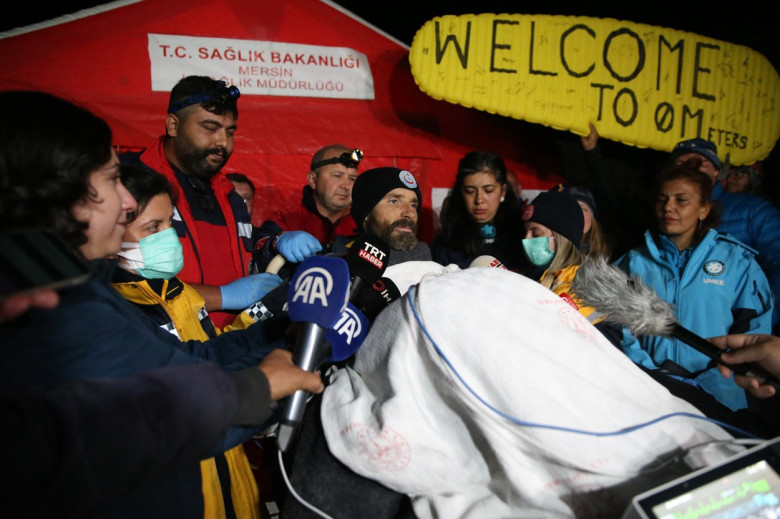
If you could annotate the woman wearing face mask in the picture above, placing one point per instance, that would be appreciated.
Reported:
(712, 281)
(481, 216)
(553, 224)
(151, 257)
(58, 171)
(149, 260)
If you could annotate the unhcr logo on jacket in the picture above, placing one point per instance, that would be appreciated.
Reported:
(714, 268)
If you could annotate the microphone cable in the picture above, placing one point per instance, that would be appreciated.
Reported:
(294, 493)
(523, 423)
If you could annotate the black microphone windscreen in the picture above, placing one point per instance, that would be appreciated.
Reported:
(373, 299)
(367, 260)
(275, 300)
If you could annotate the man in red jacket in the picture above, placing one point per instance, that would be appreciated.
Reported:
(327, 196)
(210, 218)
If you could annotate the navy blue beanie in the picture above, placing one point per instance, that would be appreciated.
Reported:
(558, 212)
(706, 149)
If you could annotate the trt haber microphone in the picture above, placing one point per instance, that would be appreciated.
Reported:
(367, 260)
(346, 336)
(628, 302)
(318, 296)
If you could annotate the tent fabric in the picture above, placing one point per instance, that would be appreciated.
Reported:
(102, 62)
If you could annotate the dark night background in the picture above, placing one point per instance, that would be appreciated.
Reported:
(748, 23)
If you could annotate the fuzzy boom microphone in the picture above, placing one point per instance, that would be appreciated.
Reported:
(626, 301)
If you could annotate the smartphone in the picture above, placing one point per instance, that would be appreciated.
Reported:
(35, 259)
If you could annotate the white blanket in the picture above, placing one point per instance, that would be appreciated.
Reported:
(421, 423)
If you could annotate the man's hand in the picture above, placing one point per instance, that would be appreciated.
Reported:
(763, 350)
(297, 246)
(285, 378)
(590, 141)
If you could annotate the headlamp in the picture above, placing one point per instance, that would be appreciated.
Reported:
(224, 95)
(350, 159)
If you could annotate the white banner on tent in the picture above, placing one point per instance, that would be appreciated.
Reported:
(262, 67)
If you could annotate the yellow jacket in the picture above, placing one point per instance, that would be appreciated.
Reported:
(562, 287)
(185, 316)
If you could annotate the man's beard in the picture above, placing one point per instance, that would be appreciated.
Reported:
(404, 241)
(195, 160)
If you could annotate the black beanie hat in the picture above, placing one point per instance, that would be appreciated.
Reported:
(580, 194)
(372, 185)
(559, 212)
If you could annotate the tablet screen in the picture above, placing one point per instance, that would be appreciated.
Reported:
(752, 491)
(744, 486)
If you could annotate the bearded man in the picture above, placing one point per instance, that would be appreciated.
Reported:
(387, 202)
(210, 217)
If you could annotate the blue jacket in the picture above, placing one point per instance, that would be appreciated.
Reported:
(93, 333)
(720, 290)
(755, 222)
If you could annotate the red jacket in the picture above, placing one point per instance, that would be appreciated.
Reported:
(305, 217)
(239, 228)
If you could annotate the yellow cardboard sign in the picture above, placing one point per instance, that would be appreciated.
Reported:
(642, 85)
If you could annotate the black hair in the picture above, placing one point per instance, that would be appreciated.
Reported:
(144, 184)
(214, 96)
(49, 147)
(240, 177)
(458, 229)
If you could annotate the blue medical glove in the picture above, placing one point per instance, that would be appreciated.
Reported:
(297, 246)
(242, 292)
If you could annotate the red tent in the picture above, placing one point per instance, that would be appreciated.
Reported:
(103, 61)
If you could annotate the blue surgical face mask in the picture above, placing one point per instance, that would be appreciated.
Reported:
(538, 250)
(157, 256)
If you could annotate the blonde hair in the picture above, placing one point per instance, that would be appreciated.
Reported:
(566, 255)
(598, 243)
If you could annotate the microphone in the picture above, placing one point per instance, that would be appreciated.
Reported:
(317, 298)
(367, 261)
(626, 301)
(276, 263)
(372, 300)
(347, 335)
(487, 261)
